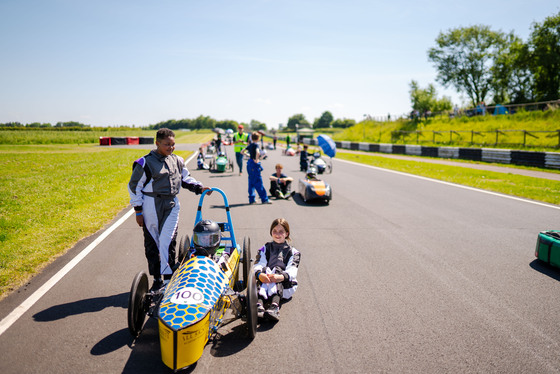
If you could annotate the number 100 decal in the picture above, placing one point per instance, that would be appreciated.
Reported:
(187, 295)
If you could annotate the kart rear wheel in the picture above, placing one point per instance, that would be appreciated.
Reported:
(246, 260)
(137, 307)
(251, 306)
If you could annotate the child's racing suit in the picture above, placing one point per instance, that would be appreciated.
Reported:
(280, 259)
(155, 182)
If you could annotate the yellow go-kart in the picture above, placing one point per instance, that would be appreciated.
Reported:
(193, 305)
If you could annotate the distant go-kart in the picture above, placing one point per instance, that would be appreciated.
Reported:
(322, 165)
(313, 189)
(329, 148)
(548, 247)
(221, 163)
(193, 305)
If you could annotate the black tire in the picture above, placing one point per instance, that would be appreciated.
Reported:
(251, 306)
(184, 248)
(246, 260)
(137, 307)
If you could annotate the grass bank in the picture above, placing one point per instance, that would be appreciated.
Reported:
(542, 129)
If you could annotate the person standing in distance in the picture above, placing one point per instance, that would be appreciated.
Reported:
(240, 141)
(156, 180)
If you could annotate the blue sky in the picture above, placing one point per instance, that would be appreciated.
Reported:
(110, 63)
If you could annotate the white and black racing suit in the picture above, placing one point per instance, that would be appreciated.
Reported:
(279, 259)
(155, 182)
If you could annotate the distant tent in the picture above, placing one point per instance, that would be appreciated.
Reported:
(500, 109)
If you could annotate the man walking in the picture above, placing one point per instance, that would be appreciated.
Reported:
(240, 141)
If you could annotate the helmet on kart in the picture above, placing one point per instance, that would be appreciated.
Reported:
(221, 154)
(312, 172)
(206, 237)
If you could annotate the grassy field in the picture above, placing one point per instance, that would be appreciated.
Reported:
(51, 196)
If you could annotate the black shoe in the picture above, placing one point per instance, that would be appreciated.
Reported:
(157, 285)
(260, 310)
(273, 313)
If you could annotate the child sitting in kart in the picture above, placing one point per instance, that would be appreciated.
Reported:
(207, 237)
(200, 164)
(276, 268)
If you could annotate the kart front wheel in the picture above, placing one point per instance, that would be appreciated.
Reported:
(251, 306)
(137, 307)
(184, 245)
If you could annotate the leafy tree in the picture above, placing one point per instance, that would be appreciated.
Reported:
(324, 121)
(227, 124)
(256, 125)
(12, 124)
(343, 123)
(297, 119)
(203, 122)
(512, 77)
(544, 43)
(463, 58)
(70, 124)
(424, 100)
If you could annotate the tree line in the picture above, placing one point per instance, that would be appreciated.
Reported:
(485, 64)
(200, 123)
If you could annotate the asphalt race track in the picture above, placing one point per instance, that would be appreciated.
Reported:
(399, 274)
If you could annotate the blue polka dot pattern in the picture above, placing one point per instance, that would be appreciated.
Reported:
(201, 273)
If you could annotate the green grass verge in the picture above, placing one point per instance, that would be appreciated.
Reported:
(53, 196)
(539, 189)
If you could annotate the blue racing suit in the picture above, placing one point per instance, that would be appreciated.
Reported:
(255, 178)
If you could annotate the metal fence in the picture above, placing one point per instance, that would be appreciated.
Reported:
(523, 138)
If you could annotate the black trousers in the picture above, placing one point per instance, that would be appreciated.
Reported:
(282, 187)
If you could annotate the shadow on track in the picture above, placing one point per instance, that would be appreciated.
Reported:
(546, 269)
(93, 305)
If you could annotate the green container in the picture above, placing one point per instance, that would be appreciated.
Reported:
(221, 163)
(548, 247)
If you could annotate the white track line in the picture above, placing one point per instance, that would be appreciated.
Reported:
(455, 185)
(11, 318)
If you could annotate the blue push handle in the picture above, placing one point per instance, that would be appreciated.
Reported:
(228, 215)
